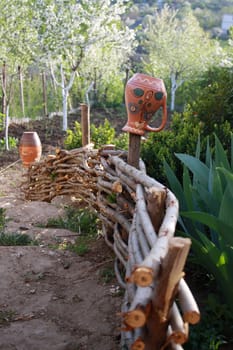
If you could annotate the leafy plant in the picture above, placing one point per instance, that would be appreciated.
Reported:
(209, 333)
(2, 123)
(103, 134)
(107, 274)
(2, 220)
(81, 245)
(214, 103)
(15, 239)
(206, 197)
(122, 141)
(73, 137)
(12, 141)
(82, 221)
(159, 147)
(6, 316)
(100, 135)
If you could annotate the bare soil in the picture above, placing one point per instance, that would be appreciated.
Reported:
(51, 298)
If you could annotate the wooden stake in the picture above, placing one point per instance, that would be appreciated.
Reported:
(156, 206)
(134, 150)
(85, 124)
(171, 273)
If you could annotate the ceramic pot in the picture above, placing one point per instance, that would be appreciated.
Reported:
(144, 95)
(30, 148)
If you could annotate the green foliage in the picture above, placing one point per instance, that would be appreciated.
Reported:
(6, 316)
(214, 103)
(2, 220)
(15, 239)
(73, 137)
(122, 141)
(214, 328)
(198, 119)
(178, 48)
(100, 135)
(2, 123)
(33, 98)
(11, 239)
(206, 211)
(103, 134)
(81, 246)
(182, 137)
(82, 221)
(107, 274)
(110, 92)
(12, 142)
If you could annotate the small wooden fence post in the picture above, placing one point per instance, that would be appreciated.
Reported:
(85, 124)
(134, 150)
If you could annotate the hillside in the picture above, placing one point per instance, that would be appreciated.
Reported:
(208, 12)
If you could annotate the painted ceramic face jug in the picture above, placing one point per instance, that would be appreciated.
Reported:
(144, 95)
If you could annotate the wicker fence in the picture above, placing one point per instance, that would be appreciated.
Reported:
(139, 217)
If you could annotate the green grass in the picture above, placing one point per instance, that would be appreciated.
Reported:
(2, 219)
(6, 316)
(81, 246)
(12, 239)
(80, 220)
(15, 240)
(107, 274)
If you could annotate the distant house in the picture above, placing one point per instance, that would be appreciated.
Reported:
(227, 22)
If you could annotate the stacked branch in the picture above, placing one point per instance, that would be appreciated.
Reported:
(139, 217)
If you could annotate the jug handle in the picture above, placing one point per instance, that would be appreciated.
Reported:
(163, 123)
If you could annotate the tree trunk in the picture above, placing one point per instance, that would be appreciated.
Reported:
(45, 105)
(173, 91)
(21, 90)
(65, 95)
(125, 82)
(175, 84)
(4, 99)
(6, 129)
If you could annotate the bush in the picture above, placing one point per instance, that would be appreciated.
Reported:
(210, 113)
(182, 137)
(73, 137)
(214, 103)
(102, 135)
(12, 142)
(82, 221)
(185, 129)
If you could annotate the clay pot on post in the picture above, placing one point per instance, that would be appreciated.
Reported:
(30, 148)
(144, 95)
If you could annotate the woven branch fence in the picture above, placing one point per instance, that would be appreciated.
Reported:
(139, 217)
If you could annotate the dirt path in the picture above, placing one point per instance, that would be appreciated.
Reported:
(52, 299)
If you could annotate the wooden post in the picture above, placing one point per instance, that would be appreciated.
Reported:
(134, 150)
(166, 290)
(85, 124)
